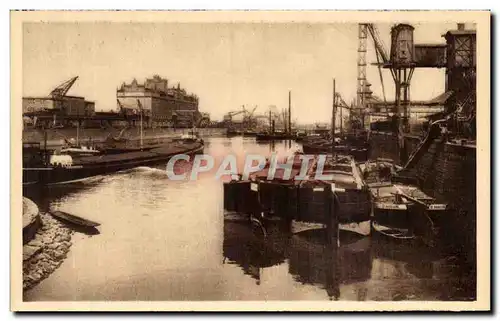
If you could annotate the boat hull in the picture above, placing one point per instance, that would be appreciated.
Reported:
(84, 169)
(271, 137)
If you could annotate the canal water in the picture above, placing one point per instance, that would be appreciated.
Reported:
(169, 240)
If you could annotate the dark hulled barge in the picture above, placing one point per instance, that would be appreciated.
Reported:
(39, 167)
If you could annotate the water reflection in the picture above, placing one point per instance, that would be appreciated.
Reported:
(314, 261)
(246, 246)
(310, 259)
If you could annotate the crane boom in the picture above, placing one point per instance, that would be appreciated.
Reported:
(382, 57)
(253, 110)
(341, 102)
(62, 89)
(379, 45)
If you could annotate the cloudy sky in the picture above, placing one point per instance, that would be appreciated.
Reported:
(226, 65)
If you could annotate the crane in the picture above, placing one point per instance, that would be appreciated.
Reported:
(61, 90)
(248, 118)
(251, 113)
(401, 74)
(229, 116)
(381, 54)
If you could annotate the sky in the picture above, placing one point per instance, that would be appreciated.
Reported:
(226, 65)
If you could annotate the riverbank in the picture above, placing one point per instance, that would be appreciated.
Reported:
(46, 249)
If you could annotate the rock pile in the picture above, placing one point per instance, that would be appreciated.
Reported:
(46, 251)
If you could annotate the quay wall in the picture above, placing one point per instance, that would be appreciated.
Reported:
(31, 220)
(385, 145)
(446, 171)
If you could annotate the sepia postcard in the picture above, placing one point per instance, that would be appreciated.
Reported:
(250, 160)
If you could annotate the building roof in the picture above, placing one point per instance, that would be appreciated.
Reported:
(438, 100)
(374, 100)
(57, 98)
(460, 32)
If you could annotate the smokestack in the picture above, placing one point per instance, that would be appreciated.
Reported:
(290, 111)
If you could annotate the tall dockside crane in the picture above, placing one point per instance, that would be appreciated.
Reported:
(401, 63)
(59, 93)
(361, 79)
(458, 56)
(61, 90)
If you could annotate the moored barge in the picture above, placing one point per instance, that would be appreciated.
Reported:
(63, 168)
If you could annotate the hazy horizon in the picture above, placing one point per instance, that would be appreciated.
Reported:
(226, 65)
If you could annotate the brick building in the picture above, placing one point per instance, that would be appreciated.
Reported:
(160, 103)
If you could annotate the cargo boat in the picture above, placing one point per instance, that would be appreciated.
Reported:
(358, 148)
(304, 201)
(274, 136)
(38, 169)
(352, 195)
(249, 133)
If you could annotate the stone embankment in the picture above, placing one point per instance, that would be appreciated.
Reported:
(46, 247)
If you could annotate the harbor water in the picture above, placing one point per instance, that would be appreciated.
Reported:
(169, 240)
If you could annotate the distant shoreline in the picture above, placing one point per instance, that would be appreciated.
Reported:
(55, 137)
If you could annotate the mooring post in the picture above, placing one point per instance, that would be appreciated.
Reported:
(331, 216)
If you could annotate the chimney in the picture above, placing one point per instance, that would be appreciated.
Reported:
(461, 26)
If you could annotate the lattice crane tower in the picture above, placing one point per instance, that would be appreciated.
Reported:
(362, 40)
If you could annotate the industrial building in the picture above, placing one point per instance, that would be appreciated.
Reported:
(58, 104)
(161, 104)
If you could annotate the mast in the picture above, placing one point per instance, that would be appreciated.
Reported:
(45, 156)
(77, 132)
(285, 120)
(140, 110)
(270, 121)
(141, 128)
(333, 119)
(341, 121)
(290, 111)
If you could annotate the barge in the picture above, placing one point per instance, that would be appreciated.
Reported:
(319, 145)
(293, 201)
(40, 168)
(401, 212)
